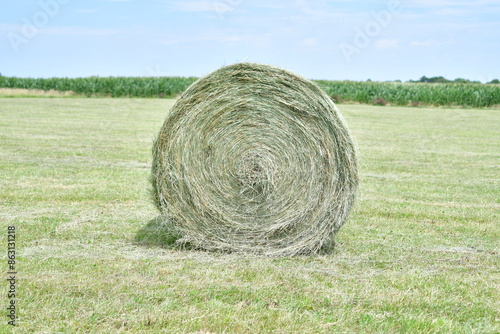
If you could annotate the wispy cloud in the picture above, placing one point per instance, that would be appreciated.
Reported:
(219, 38)
(454, 8)
(451, 3)
(86, 11)
(197, 6)
(76, 31)
(322, 14)
(431, 43)
(426, 43)
(61, 31)
(310, 42)
(386, 43)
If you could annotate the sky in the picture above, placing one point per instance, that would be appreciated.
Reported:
(318, 39)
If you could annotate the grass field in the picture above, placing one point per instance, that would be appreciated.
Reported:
(420, 253)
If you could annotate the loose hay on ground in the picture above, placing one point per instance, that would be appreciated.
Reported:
(255, 158)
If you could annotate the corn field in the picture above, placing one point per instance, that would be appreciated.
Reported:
(105, 86)
(415, 94)
(394, 93)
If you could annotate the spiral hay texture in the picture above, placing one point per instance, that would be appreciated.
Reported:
(254, 158)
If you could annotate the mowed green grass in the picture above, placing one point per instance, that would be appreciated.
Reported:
(420, 253)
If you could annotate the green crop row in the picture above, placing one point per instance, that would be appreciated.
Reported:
(105, 86)
(403, 94)
(395, 93)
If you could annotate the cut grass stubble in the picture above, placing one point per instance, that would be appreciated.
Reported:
(419, 254)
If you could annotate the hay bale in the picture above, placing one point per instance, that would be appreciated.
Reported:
(255, 158)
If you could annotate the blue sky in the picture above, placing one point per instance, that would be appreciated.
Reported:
(318, 39)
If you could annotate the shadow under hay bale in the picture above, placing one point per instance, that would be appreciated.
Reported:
(158, 231)
(254, 158)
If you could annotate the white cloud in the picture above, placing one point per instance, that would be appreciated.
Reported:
(455, 8)
(217, 37)
(431, 43)
(77, 31)
(386, 43)
(86, 11)
(310, 42)
(194, 6)
(203, 6)
(451, 3)
(426, 43)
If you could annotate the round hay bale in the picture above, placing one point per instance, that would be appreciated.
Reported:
(255, 158)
